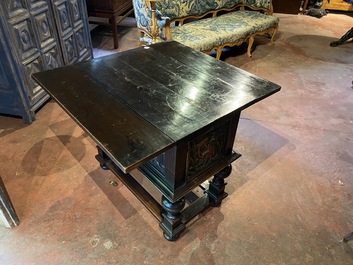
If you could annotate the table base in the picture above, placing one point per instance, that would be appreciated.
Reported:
(172, 216)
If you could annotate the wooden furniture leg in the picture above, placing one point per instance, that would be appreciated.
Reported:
(113, 21)
(8, 216)
(348, 237)
(217, 185)
(172, 223)
(104, 9)
(343, 39)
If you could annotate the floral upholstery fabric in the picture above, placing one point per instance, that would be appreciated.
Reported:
(142, 14)
(183, 8)
(265, 4)
(205, 34)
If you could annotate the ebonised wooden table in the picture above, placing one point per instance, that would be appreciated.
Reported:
(166, 110)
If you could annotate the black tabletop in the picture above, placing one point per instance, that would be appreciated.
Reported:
(138, 103)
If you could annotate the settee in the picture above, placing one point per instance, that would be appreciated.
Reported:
(206, 25)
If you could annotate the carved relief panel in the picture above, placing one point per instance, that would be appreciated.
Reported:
(206, 149)
(21, 30)
(23, 35)
(73, 36)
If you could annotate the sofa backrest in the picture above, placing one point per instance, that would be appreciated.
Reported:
(261, 4)
(185, 8)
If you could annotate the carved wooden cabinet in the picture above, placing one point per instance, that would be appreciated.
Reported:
(36, 35)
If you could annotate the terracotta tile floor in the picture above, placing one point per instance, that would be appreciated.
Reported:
(290, 194)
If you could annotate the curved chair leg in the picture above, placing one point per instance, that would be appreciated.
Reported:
(218, 53)
(273, 34)
(251, 41)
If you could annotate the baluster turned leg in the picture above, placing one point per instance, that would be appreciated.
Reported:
(217, 185)
(348, 237)
(343, 39)
(251, 41)
(172, 224)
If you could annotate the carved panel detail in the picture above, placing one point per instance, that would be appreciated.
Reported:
(38, 2)
(205, 149)
(52, 59)
(44, 29)
(33, 88)
(75, 11)
(63, 22)
(69, 50)
(25, 38)
(81, 41)
(15, 7)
